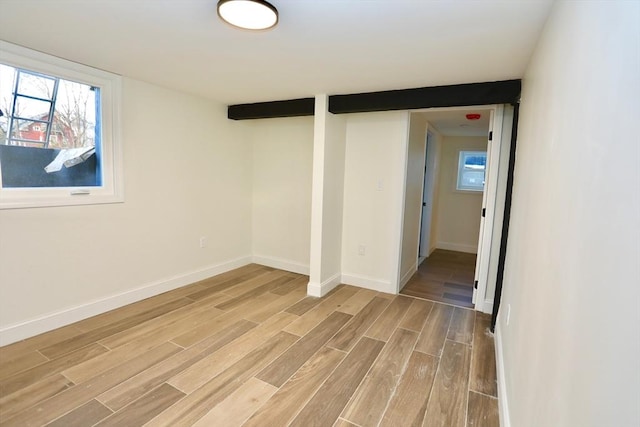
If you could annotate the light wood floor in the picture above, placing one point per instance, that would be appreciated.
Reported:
(248, 348)
(446, 276)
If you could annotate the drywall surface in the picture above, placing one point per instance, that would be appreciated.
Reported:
(281, 214)
(187, 175)
(572, 344)
(333, 196)
(373, 184)
(459, 212)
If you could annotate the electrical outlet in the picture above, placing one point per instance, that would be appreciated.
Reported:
(203, 242)
(380, 185)
(508, 314)
(361, 250)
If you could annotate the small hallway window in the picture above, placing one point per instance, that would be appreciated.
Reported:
(471, 170)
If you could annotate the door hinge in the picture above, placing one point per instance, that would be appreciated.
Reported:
(490, 135)
(484, 211)
(475, 285)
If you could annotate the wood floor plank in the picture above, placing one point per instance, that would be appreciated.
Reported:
(353, 331)
(448, 401)
(113, 316)
(242, 298)
(386, 323)
(343, 423)
(416, 315)
(51, 409)
(225, 285)
(239, 406)
(461, 327)
(248, 271)
(20, 348)
(484, 378)
(37, 373)
(58, 349)
(132, 389)
(328, 402)
(357, 302)
(281, 369)
(206, 369)
(196, 404)
(309, 303)
(171, 325)
(26, 361)
(145, 408)
(285, 301)
(201, 332)
(370, 399)
(409, 403)
(299, 281)
(296, 392)
(313, 317)
(26, 397)
(482, 411)
(86, 415)
(88, 369)
(252, 285)
(434, 333)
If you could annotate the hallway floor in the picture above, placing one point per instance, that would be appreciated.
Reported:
(446, 276)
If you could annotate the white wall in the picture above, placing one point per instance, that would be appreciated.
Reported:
(373, 185)
(187, 174)
(458, 222)
(414, 184)
(281, 215)
(570, 353)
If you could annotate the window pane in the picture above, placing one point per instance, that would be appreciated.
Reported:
(30, 108)
(29, 129)
(31, 157)
(75, 115)
(471, 170)
(36, 85)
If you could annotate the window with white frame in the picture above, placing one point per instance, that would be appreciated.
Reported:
(59, 131)
(471, 170)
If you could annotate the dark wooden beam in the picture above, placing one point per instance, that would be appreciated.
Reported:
(501, 92)
(468, 94)
(266, 110)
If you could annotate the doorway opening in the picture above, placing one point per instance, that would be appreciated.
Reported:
(461, 204)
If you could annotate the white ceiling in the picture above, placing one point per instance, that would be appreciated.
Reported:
(453, 121)
(319, 46)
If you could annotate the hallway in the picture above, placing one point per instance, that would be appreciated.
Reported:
(446, 276)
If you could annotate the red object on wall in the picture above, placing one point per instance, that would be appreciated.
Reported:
(473, 116)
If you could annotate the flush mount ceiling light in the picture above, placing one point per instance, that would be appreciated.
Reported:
(248, 14)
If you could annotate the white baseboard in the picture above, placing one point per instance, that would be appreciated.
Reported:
(408, 275)
(368, 283)
(503, 404)
(281, 264)
(321, 289)
(48, 322)
(458, 247)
